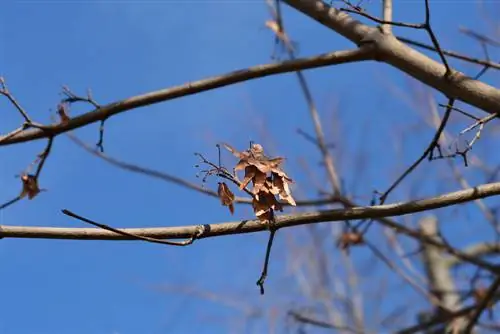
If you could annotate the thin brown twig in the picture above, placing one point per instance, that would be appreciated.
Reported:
(386, 21)
(133, 235)
(263, 275)
(5, 92)
(449, 53)
(279, 30)
(437, 321)
(174, 179)
(427, 153)
(320, 323)
(490, 294)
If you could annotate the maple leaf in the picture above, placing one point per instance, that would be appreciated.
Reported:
(226, 196)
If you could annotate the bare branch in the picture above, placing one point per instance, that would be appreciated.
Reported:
(387, 15)
(255, 72)
(250, 226)
(131, 235)
(483, 304)
(401, 56)
(479, 250)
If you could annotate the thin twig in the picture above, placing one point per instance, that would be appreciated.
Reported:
(427, 153)
(279, 30)
(263, 275)
(449, 53)
(490, 294)
(135, 236)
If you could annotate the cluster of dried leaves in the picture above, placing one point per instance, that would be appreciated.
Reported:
(267, 178)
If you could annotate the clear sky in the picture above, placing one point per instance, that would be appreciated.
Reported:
(124, 48)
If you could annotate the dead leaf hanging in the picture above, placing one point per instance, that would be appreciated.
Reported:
(30, 186)
(226, 196)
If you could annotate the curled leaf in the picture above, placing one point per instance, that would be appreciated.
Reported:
(226, 196)
(259, 183)
(250, 172)
(30, 186)
(281, 185)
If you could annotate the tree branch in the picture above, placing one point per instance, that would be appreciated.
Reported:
(479, 250)
(255, 72)
(250, 226)
(391, 51)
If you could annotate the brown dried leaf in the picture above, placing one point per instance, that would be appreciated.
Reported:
(349, 239)
(264, 202)
(226, 196)
(241, 164)
(30, 186)
(280, 184)
(62, 110)
(250, 172)
(259, 182)
(231, 149)
(257, 151)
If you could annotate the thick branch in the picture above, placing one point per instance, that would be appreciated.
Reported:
(377, 211)
(479, 250)
(393, 52)
(438, 272)
(191, 88)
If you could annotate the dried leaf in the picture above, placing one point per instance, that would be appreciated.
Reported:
(235, 152)
(30, 186)
(264, 202)
(241, 164)
(250, 172)
(226, 196)
(62, 110)
(259, 182)
(281, 184)
(349, 239)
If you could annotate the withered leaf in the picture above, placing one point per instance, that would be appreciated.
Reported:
(265, 201)
(226, 196)
(280, 184)
(250, 172)
(62, 110)
(30, 186)
(259, 182)
(349, 239)
(241, 164)
(235, 152)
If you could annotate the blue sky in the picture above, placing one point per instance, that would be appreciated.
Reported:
(124, 48)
